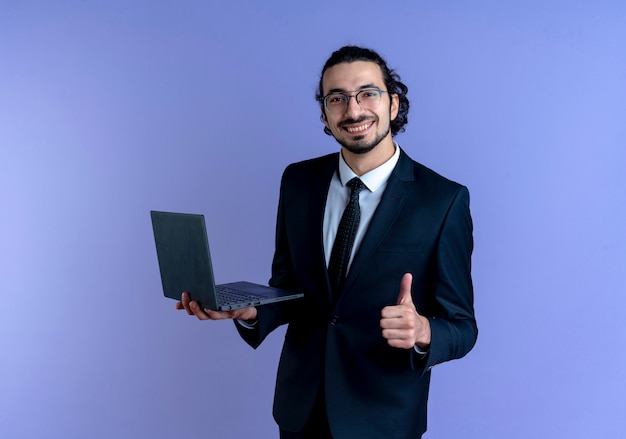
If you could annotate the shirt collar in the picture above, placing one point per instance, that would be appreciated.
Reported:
(373, 179)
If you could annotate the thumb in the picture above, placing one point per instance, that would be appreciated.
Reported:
(405, 289)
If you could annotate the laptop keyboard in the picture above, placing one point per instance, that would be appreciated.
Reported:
(226, 296)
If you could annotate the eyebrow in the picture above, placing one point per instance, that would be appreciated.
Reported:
(362, 87)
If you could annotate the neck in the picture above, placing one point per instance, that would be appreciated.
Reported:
(363, 163)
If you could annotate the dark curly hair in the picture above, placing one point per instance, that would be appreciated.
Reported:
(348, 54)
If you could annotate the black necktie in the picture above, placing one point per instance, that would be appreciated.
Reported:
(342, 247)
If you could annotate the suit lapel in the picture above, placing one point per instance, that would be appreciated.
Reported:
(317, 204)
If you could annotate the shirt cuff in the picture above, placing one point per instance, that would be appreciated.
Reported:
(247, 325)
(421, 352)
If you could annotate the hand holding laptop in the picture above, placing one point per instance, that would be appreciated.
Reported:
(247, 314)
(185, 265)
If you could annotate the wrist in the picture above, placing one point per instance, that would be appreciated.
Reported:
(423, 337)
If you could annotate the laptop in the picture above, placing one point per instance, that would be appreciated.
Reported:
(185, 265)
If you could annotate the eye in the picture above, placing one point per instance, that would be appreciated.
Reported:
(369, 94)
(335, 99)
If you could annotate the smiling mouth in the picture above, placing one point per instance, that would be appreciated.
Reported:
(358, 128)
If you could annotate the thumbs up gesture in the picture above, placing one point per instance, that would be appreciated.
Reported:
(402, 325)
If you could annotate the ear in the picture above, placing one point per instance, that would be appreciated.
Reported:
(395, 106)
(323, 116)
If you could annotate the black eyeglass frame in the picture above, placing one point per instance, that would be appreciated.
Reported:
(355, 96)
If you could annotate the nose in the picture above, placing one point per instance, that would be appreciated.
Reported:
(353, 107)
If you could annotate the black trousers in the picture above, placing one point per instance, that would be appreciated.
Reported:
(317, 425)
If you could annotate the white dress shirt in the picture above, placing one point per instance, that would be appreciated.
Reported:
(375, 182)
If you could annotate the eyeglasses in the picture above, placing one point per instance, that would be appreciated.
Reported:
(368, 99)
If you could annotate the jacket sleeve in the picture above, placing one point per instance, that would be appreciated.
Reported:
(274, 315)
(453, 325)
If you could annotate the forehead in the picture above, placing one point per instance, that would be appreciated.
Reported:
(352, 76)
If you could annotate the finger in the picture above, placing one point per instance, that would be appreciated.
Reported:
(197, 311)
(185, 300)
(405, 289)
(240, 314)
(397, 334)
(218, 315)
(244, 313)
(400, 343)
(395, 311)
(399, 338)
(397, 321)
(399, 317)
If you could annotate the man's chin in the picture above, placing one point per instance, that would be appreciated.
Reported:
(357, 145)
(358, 148)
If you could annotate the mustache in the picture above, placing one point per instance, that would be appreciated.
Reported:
(354, 121)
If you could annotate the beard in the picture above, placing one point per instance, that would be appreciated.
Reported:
(358, 144)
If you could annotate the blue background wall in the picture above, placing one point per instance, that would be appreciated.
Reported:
(110, 109)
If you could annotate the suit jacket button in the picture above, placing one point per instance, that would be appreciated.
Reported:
(334, 320)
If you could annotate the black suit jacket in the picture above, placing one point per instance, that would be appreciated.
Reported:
(421, 226)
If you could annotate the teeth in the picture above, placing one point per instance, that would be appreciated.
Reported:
(357, 129)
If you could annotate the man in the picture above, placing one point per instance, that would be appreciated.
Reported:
(387, 301)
